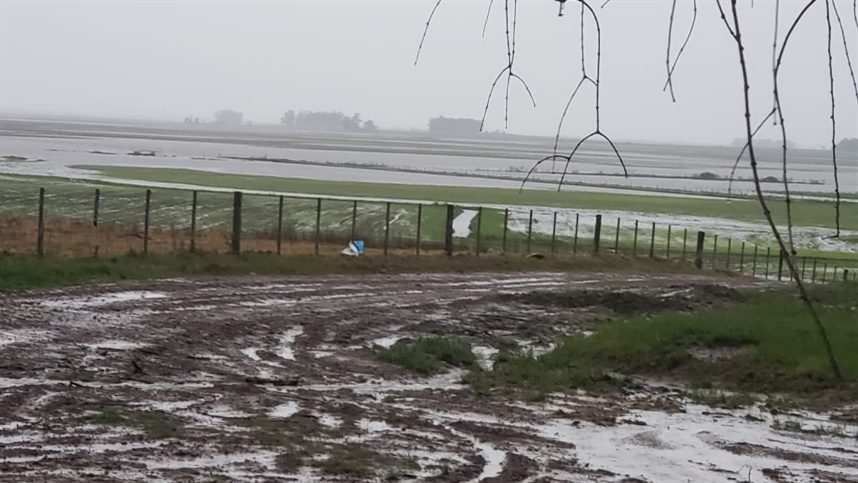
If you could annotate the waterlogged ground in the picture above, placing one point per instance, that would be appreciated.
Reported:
(263, 380)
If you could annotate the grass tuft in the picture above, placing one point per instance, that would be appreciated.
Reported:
(428, 355)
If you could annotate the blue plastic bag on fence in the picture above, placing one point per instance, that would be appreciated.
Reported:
(354, 249)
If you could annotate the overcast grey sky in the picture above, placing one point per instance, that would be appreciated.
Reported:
(167, 60)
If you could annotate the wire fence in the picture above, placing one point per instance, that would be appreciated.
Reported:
(73, 221)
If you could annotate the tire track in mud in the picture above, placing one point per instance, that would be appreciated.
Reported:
(261, 378)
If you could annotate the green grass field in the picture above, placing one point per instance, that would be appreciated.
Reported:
(805, 213)
(773, 345)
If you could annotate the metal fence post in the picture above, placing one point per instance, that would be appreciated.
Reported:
(479, 227)
(742, 259)
(635, 242)
(505, 224)
(236, 222)
(597, 235)
(729, 249)
(40, 237)
(714, 250)
(386, 228)
(194, 221)
(617, 237)
(554, 233)
(419, 224)
(529, 230)
(354, 219)
(575, 240)
(146, 215)
(318, 225)
(280, 226)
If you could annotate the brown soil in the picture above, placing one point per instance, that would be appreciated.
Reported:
(272, 379)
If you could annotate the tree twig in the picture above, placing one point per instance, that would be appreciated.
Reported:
(426, 30)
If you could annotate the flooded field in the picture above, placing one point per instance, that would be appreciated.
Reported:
(263, 379)
(403, 158)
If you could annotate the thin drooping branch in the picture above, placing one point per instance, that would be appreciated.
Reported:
(672, 68)
(790, 259)
(511, 31)
(669, 43)
(745, 148)
(585, 138)
(426, 30)
(585, 7)
(488, 14)
(846, 49)
(779, 109)
(833, 124)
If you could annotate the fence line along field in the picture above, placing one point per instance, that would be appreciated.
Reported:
(90, 219)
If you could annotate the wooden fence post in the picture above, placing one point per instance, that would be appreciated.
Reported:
(575, 240)
(754, 266)
(280, 226)
(146, 216)
(652, 242)
(194, 221)
(824, 271)
(597, 235)
(95, 207)
(845, 275)
(698, 257)
(813, 272)
(617, 237)
(768, 255)
(554, 233)
(448, 231)
(684, 242)
(635, 242)
(386, 228)
(803, 266)
(40, 237)
(419, 224)
(479, 227)
(318, 235)
(237, 201)
(669, 231)
(505, 224)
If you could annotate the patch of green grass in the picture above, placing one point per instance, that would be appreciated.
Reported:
(428, 355)
(781, 349)
(13, 158)
(805, 212)
(351, 461)
(19, 272)
(156, 424)
(718, 398)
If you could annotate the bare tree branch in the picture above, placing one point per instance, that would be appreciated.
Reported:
(488, 14)
(790, 258)
(679, 55)
(833, 123)
(426, 30)
(669, 43)
(745, 148)
(846, 48)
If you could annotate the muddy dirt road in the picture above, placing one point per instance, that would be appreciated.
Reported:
(270, 379)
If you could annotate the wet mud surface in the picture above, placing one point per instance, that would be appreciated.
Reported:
(271, 379)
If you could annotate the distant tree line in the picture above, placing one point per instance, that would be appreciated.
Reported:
(326, 121)
(228, 117)
(454, 126)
